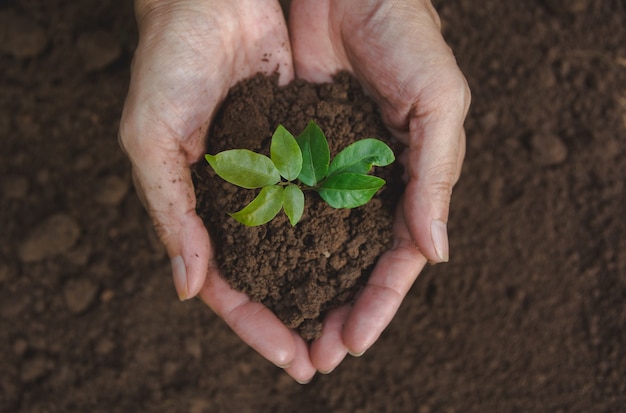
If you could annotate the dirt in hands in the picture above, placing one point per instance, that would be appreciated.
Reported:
(301, 271)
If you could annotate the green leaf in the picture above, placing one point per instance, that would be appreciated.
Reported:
(262, 208)
(286, 154)
(315, 155)
(349, 190)
(360, 156)
(293, 202)
(244, 168)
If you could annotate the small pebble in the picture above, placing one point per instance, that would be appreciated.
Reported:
(106, 296)
(79, 255)
(19, 347)
(489, 121)
(35, 368)
(548, 150)
(337, 262)
(43, 176)
(105, 346)
(80, 294)
(112, 190)
(193, 348)
(98, 49)
(54, 236)
(15, 186)
(12, 306)
(20, 36)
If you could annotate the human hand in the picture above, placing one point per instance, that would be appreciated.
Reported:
(190, 53)
(396, 50)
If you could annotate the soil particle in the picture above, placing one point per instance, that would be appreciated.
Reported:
(548, 149)
(15, 186)
(12, 306)
(79, 294)
(35, 368)
(21, 36)
(105, 346)
(298, 272)
(19, 347)
(98, 49)
(111, 190)
(54, 236)
(79, 255)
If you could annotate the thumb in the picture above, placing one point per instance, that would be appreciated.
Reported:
(163, 182)
(181, 231)
(435, 156)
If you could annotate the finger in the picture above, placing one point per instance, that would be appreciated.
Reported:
(328, 350)
(163, 182)
(393, 275)
(189, 267)
(435, 156)
(254, 323)
(160, 146)
(316, 57)
(266, 30)
(301, 369)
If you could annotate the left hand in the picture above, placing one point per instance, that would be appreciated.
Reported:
(396, 50)
(190, 53)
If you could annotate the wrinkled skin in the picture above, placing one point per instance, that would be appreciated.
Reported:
(191, 52)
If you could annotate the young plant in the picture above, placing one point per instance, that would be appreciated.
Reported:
(302, 163)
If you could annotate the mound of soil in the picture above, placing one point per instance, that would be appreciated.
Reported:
(298, 272)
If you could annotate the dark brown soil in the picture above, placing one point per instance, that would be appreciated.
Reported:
(528, 316)
(298, 272)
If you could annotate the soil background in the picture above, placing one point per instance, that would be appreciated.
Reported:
(528, 316)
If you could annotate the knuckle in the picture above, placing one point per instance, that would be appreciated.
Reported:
(121, 141)
(466, 93)
(440, 181)
(162, 230)
(459, 88)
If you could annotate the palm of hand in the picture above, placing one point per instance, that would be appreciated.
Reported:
(192, 54)
(189, 55)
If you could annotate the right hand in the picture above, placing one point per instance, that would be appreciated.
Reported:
(396, 51)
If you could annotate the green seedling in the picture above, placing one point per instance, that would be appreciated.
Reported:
(300, 164)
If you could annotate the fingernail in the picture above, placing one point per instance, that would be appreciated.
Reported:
(281, 366)
(179, 272)
(326, 371)
(439, 235)
(304, 381)
(353, 354)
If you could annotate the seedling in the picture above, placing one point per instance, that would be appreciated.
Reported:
(300, 164)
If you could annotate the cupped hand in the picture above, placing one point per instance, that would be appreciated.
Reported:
(396, 50)
(190, 53)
